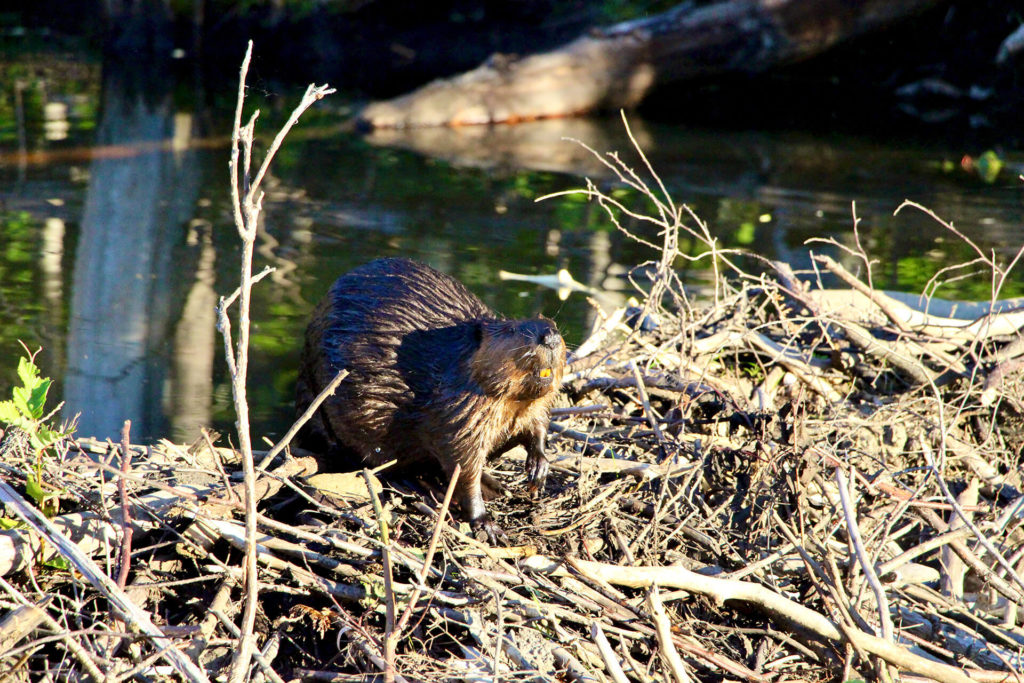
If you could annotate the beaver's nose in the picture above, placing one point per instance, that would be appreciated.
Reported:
(551, 339)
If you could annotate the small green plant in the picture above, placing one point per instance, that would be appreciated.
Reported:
(24, 419)
(754, 371)
(25, 411)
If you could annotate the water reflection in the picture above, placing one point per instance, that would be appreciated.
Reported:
(781, 188)
(536, 145)
(130, 269)
(145, 230)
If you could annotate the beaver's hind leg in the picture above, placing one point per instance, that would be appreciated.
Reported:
(469, 493)
(490, 487)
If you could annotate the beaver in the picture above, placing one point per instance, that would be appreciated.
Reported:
(433, 374)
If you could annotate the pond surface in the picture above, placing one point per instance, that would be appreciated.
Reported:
(116, 236)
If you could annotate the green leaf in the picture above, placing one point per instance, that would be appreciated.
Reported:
(37, 400)
(35, 491)
(9, 412)
(57, 562)
(46, 437)
(989, 165)
(28, 372)
(21, 396)
(37, 444)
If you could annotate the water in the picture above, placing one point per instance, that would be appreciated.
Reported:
(116, 237)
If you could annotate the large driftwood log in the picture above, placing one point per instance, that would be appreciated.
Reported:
(618, 66)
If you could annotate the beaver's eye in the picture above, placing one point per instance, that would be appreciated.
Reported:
(546, 372)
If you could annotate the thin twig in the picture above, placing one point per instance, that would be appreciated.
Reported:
(390, 638)
(125, 554)
(652, 419)
(435, 536)
(245, 222)
(850, 514)
(247, 200)
(302, 420)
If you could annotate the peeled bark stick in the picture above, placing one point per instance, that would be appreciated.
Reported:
(1000, 585)
(857, 334)
(884, 303)
(952, 567)
(133, 615)
(618, 66)
(994, 552)
(229, 531)
(597, 338)
(18, 623)
(663, 629)
(722, 590)
(893, 565)
(873, 346)
(846, 276)
(792, 363)
(1013, 44)
(611, 660)
(19, 548)
(209, 622)
(993, 382)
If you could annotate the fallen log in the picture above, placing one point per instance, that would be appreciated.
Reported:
(618, 66)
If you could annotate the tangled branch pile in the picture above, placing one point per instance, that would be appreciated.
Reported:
(779, 482)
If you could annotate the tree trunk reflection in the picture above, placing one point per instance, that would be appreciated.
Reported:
(130, 260)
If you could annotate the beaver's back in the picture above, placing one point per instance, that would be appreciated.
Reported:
(396, 296)
(404, 332)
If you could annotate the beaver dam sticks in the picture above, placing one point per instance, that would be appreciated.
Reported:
(433, 374)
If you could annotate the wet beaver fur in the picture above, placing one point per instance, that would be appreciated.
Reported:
(433, 373)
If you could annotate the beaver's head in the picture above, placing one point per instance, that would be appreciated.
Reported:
(520, 359)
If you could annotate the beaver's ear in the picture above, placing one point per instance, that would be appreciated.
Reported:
(478, 332)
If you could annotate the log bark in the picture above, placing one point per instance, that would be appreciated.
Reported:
(618, 66)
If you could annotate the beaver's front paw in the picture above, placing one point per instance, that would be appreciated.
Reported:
(537, 471)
